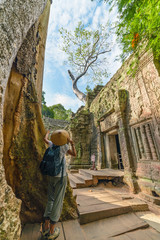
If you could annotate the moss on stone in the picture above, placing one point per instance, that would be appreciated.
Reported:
(69, 205)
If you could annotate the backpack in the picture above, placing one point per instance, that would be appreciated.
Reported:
(50, 164)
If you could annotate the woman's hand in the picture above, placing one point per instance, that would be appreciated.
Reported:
(70, 141)
(72, 151)
(46, 137)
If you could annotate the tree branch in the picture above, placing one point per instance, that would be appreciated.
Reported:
(71, 76)
(84, 72)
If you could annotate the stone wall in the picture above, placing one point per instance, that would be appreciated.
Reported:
(17, 17)
(55, 124)
(121, 126)
(129, 107)
(85, 134)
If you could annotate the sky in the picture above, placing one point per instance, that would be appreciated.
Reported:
(67, 13)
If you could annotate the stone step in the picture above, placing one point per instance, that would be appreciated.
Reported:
(88, 180)
(75, 181)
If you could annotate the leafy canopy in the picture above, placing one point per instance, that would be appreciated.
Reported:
(56, 111)
(85, 49)
(138, 26)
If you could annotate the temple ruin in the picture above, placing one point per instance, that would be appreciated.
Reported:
(121, 126)
(120, 123)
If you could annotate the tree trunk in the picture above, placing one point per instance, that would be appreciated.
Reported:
(81, 96)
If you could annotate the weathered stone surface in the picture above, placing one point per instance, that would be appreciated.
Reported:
(24, 145)
(23, 35)
(138, 120)
(128, 107)
(155, 168)
(144, 170)
(85, 134)
(54, 124)
(80, 128)
(16, 19)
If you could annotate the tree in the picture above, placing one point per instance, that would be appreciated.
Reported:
(47, 112)
(138, 26)
(56, 111)
(60, 112)
(43, 98)
(86, 49)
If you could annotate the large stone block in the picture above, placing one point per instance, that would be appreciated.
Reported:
(155, 168)
(144, 170)
(146, 186)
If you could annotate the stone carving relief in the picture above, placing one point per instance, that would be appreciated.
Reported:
(109, 122)
(145, 108)
(151, 79)
(144, 142)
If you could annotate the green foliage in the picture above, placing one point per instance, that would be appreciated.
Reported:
(138, 27)
(43, 98)
(56, 111)
(47, 112)
(60, 112)
(86, 49)
(88, 89)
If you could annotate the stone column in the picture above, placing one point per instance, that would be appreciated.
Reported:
(124, 139)
(150, 141)
(140, 143)
(145, 143)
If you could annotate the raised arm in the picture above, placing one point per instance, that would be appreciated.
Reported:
(46, 137)
(71, 151)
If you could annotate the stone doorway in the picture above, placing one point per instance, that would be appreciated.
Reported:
(113, 157)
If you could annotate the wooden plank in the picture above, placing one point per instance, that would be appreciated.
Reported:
(83, 200)
(101, 211)
(32, 232)
(102, 172)
(75, 179)
(103, 206)
(27, 232)
(106, 228)
(72, 184)
(121, 237)
(83, 177)
(61, 235)
(152, 219)
(134, 205)
(135, 226)
(36, 234)
(73, 230)
(147, 234)
(90, 191)
(144, 234)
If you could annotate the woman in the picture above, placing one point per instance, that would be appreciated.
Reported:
(57, 184)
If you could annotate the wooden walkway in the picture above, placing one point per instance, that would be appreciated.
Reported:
(105, 214)
(86, 178)
(123, 227)
(97, 203)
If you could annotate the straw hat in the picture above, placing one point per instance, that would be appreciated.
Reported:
(59, 137)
